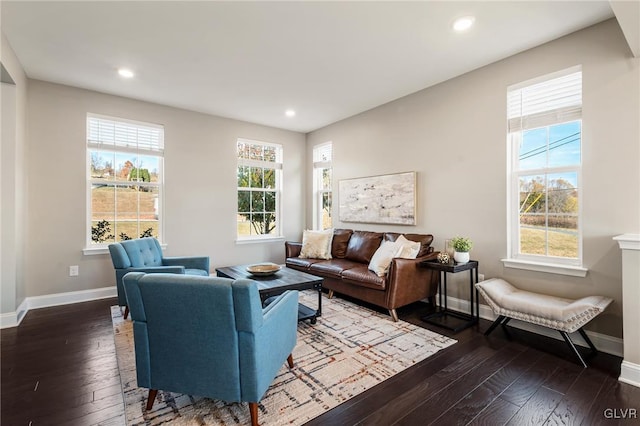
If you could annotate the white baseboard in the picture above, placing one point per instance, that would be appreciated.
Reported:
(13, 319)
(630, 373)
(604, 343)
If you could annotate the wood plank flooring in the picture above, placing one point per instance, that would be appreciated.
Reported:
(59, 368)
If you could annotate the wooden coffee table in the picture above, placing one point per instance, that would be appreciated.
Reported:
(283, 280)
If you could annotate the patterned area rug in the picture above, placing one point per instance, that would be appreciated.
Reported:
(348, 351)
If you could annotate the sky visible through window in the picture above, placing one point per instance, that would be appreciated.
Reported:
(552, 146)
(549, 161)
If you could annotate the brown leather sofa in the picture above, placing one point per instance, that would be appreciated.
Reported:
(347, 272)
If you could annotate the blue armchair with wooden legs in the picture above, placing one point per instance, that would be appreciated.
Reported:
(145, 255)
(209, 336)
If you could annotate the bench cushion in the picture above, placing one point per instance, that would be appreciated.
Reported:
(550, 311)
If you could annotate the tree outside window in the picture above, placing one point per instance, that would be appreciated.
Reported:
(125, 179)
(258, 180)
(549, 207)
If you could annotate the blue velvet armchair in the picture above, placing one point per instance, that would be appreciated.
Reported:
(209, 336)
(145, 255)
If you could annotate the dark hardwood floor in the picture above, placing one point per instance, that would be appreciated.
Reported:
(59, 368)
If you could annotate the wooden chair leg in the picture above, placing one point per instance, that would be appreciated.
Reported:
(126, 312)
(152, 398)
(290, 360)
(330, 294)
(394, 315)
(253, 409)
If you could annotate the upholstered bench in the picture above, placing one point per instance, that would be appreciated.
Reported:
(564, 315)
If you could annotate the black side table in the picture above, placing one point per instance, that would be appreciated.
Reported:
(444, 317)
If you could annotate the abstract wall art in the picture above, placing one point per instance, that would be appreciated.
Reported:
(379, 199)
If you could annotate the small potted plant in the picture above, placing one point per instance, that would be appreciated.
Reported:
(461, 247)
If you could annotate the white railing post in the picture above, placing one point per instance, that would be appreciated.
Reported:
(630, 246)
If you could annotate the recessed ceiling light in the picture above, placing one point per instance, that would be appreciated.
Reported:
(290, 113)
(125, 73)
(463, 24)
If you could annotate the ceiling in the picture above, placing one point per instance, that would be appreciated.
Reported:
(253, 60)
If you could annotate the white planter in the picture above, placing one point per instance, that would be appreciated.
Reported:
(461, 257)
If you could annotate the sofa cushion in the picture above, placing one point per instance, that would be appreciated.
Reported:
(363, 277)
(340, 242)
(331, 268)
(316, 244)
(382, 257)
(425, 240)
(408, 249)
(300, 262)
(362, 246)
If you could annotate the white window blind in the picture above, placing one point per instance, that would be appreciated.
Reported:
(532, 105)
(107, 133)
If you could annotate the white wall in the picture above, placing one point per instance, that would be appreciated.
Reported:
(200, 186)
(13, 121)
(454, 136)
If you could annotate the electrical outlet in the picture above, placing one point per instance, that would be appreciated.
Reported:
(480, 277)
(74, 270)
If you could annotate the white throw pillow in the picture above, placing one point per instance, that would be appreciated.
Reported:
(382, 257)
(409, 250)
(316, 244)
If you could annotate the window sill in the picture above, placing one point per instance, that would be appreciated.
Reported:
(551, 268)
(92, 251)
(260, 240)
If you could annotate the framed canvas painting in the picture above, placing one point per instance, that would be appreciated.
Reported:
(387, 199)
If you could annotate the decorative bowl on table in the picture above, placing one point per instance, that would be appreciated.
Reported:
(263, 269)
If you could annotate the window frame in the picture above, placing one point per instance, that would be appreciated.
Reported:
(90, 146)
(552, 117)
(318, 188)
(278, 167)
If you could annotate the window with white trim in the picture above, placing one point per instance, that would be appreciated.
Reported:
(125, 179)
(322, 156)
(545, 167)
(259, 177)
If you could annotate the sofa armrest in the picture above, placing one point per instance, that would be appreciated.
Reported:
(292, 249)
(409, 282)
(189, 262)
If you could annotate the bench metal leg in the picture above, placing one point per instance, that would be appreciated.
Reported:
(496, 323)
(586, 339)
(567, 339)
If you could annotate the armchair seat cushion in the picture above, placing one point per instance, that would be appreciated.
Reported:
(200, 272)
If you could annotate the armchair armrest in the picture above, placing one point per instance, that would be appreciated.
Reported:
(189, 262)
(408, 281)
(265, 352)
(274, 303)
(159, 270)
(292, 249)
(279, 329)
